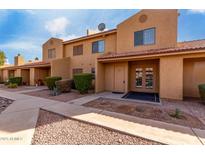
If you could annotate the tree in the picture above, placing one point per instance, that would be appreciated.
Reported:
(2, 58)
(36, 58)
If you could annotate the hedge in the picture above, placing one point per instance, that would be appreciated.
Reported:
(15, 80)
(50, 82)
(83, 82)
(202, 91)
(64, 85)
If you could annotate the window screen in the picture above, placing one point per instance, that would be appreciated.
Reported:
(98, 46)
(144, 37)
(78, 50)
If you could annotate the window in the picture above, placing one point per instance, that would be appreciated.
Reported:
(51, 53)
(139, 74)
(149, 78)
(77, 71)
(78, 50)
(144, 37)
(98, 46)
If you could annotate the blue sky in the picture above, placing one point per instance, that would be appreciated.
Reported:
(24, 31)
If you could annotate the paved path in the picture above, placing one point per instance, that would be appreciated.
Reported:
(17, 122)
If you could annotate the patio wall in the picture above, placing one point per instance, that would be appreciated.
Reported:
(61, 67)
(194, 74)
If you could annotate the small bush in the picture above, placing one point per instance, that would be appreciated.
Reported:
(15, 80)
(202, 91)
(83, 82)
(12, 85)
(64, 85)
(177, 114)
(50, 82)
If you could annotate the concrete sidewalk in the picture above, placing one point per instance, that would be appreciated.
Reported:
(19, 120)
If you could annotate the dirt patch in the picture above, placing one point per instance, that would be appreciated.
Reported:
(64, 97)
(56, 129)
(146, 111)
(4, 103)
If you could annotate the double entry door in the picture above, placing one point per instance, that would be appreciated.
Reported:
(144, 78)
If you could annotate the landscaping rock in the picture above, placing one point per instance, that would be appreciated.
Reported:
(4, 103)
(56, 129)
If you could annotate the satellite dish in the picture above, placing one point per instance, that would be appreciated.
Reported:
(101, 26)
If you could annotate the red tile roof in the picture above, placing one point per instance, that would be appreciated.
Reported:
(180, 48)
(39, 63)
(27, 65)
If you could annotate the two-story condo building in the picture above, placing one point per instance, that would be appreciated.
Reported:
(142, 55)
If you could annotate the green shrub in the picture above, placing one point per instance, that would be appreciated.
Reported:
(64, 85)
(83, 82)
(177, 114)
(16, 80)
(202, 91)
(50, 82)
(12, 85)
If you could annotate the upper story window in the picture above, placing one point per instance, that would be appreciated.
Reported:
(51, 53)
(144, 37)
(78, 50)
(98, 46)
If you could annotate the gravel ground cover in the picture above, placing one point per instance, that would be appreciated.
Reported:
(56, 129)
(64, 97)
(155, 112)
(4, 103)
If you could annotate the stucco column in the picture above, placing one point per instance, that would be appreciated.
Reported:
(99, 77)
(126, 77)
(32, 76)
(5, 75)
(171, 78)
(18, 73)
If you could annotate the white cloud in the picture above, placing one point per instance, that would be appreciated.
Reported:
(197, 11)
(68, 37)
(30, 12)
(57, 26)
(21, 45)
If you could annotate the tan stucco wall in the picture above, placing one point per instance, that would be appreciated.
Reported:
(50, 44)
(25, 73)
(100, 77)
(194, 74)
(19, 60)
(61, 67)
(32, 76)
(171, 77)
(17, 73)
(87, 60)
(165, 22)
(5, 75)
(115, 76)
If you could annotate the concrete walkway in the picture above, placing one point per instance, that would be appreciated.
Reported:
(17, 122)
